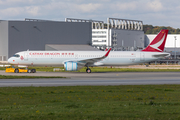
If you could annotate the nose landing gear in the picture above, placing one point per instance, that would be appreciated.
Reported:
(31, 71)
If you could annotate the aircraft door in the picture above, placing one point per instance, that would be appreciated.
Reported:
(76, 56)
(142, 56)
(26, 56)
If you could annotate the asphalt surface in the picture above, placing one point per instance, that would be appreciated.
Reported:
(103, 78)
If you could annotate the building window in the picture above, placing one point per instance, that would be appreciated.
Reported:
(99, 32)
(4, 58)
(99, 40)
(95, 41)
(98, 36)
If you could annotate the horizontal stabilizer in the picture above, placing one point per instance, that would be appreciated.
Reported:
(162, 55)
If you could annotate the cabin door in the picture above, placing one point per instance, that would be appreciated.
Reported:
(26, 56)
(142, 56)
(76, 56)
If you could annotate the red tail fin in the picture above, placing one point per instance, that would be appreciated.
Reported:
(157, 45)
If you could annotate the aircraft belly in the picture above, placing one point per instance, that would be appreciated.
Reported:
(126, 61)
(116, 61)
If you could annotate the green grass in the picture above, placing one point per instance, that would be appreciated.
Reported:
(130, 102)
(26, 77)
(2, 68)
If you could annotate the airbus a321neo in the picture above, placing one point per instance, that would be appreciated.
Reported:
(75, 60)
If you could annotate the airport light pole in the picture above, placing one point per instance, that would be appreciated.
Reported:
(175, 47)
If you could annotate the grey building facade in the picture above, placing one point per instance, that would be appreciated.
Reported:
(127, 39)
(18, 36)
(120, 34)
(3, 40)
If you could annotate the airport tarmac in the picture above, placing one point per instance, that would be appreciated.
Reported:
(103, 78)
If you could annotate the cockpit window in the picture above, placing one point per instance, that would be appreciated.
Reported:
(16, 55)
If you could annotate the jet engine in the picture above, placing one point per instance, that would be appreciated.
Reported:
(72, 66)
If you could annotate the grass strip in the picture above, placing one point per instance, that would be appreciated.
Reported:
(127, 102)
(26, 77)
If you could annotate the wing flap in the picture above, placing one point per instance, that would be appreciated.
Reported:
(93, 60)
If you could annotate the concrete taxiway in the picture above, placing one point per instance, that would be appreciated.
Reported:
(106, 78)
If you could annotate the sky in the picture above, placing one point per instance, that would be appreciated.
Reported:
(151, 12)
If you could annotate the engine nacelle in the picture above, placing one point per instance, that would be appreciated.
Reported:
(72, 66)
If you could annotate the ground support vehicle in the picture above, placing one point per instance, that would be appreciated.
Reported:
(19, 70)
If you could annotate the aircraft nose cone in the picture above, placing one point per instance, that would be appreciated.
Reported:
(10, 60)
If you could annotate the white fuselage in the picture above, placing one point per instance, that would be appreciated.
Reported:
(58, 58)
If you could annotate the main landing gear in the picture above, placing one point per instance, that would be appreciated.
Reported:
(31, 71)
(88, 70)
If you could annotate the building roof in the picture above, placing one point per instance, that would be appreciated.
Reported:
(60, 47)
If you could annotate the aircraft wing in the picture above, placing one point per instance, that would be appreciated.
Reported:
(91, 61)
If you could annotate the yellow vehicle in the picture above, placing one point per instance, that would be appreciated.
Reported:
(16, 70)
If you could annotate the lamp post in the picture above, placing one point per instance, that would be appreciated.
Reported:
(175, 47)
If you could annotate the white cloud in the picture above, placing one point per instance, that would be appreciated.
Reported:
(155, 5)
(88, 7)
(149, 11)
(11, 11)
(124, 6)
(33, 10)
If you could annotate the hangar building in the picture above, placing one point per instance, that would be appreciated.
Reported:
(120, 34)
(36, 34)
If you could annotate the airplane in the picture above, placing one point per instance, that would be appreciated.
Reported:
(75, 60)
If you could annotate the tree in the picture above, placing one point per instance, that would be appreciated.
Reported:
(149, 29)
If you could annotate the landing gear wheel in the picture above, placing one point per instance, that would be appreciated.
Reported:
(88, 70)
(29, 71)
(33, 70)
(16, 71)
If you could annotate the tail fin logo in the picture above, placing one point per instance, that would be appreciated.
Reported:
(158, 43)
(155, 46)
